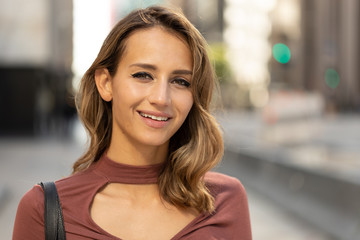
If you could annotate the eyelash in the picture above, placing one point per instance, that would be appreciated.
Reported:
(181, 82)
(146, 76)
(142, 75)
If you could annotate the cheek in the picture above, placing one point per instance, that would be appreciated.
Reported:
(126, 95)
(186, 104)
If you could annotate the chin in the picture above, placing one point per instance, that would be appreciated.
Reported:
(155, 143)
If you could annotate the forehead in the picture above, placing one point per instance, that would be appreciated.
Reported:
(157, 29)
(158, 40)
(161, 28)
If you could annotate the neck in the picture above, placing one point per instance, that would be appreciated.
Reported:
(127, 152)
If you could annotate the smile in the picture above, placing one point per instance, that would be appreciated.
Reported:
(157, 118)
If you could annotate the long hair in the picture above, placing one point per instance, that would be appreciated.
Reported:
(196, 147)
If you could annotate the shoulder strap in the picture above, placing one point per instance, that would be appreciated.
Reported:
(53, 218)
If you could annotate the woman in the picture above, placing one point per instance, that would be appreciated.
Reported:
(145, 104)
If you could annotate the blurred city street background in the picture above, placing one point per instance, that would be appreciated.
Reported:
(290, 102)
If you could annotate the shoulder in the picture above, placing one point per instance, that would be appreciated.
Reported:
(33, 200)
(231, 205)
(223, 184)
(29, 221)
(228, 192)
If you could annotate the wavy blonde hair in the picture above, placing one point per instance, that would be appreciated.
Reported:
(196, 147)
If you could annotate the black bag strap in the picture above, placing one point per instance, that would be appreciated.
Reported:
(53, 218)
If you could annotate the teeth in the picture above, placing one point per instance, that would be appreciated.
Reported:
(154, 117)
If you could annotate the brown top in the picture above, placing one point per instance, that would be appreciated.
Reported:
(230, 220)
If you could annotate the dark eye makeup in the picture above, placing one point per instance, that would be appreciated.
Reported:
(181, 82)
(142, 75)
(147, 76)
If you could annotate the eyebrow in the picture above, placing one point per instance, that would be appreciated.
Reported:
(152, 67)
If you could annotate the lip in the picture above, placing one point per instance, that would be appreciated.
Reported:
(155, 123)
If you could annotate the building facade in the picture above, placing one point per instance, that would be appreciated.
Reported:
(35, 65)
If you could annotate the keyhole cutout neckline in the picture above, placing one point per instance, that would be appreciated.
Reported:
(130, 174)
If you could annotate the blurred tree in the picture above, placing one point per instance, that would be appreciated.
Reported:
(221, 64)
(232, 94)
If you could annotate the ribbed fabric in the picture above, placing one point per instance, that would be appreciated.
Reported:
(122, 173)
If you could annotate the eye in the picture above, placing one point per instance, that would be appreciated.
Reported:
(142, 75)
(181, 82)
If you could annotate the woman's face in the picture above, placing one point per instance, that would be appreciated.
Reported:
(150, 92)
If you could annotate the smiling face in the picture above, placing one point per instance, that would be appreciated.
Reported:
(150, 92)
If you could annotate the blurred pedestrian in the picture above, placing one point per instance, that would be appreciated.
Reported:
(146, 174)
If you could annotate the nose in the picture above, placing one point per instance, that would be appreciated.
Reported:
(160, 93)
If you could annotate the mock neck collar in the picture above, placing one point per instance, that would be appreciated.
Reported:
(128, 174)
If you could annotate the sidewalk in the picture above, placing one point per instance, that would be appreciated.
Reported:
(329, 145)
(26, 162)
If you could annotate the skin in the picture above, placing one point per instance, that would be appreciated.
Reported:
(153, 77)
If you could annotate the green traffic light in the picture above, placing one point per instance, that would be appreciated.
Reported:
(281, 53)
(332, 78)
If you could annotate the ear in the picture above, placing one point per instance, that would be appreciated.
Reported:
(104, 83)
